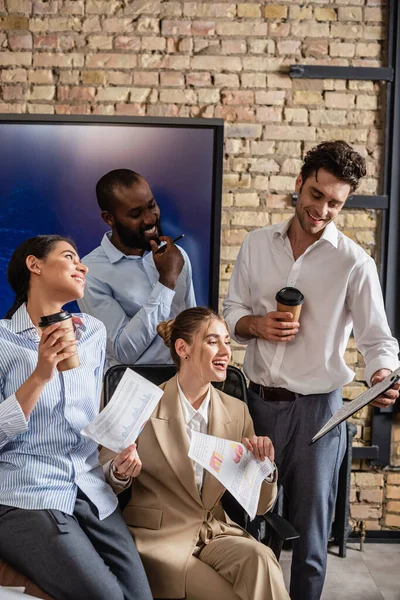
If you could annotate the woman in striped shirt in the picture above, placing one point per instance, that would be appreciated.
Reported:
(59, 521)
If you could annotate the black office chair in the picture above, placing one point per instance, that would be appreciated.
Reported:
(274, 529)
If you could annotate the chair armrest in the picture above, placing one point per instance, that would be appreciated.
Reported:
(280, 526)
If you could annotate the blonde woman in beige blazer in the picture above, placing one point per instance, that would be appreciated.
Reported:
(189, 546)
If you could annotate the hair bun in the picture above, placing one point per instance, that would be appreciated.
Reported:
(164, 330)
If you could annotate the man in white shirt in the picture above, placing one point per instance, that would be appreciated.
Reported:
(297, 369)
(131, 287)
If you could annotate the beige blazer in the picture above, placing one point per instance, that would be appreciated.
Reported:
(166, 515)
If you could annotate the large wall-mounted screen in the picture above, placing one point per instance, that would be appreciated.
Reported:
(50, 167)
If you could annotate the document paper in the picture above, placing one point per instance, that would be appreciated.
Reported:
(122, 420)
(14, 593)
(233, 465)
(362, 400)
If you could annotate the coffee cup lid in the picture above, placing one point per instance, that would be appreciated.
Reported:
(289, 296)
(63, 315)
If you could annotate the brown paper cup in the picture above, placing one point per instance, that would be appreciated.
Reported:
(72, 361)
(294, 301)
(65, 320)
(295, 310)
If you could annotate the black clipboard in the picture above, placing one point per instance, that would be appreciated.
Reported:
(362, 400)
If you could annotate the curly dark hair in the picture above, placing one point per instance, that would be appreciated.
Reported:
(339, 159)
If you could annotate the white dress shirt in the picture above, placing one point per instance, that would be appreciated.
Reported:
(123, 291)
(342, 292)
(196, 420)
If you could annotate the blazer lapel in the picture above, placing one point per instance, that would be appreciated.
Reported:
(220, 425)
(170, 430)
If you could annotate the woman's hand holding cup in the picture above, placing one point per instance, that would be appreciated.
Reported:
(52, 351)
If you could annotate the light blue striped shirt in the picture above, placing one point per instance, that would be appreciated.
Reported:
(44, 460)
(124, 292)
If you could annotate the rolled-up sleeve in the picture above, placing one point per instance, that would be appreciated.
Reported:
(127, 339)
(238, 301)
(12, 419)
(371, 330)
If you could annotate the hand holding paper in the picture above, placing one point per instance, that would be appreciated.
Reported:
(260, 446)
(120, 423)
(233, 465)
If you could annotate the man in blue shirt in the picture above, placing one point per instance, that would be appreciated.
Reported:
(129, 287)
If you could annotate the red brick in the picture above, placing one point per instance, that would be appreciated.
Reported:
(74, 93)
(131, 109)
(124, 42)
(47, 59)
(50, 41)
(14, 75)
(235, 97)
(176, 27)
(172, 80)
(14, 92)
(111, 25)
(12, 108)
(103, 109)
(20, 41)
(198, 79)
(111, 61)
(279, 30)
(147, 79)
(118, 77)
(65, 109)
(203, 28)
(180, 45)
(234, 47)
(269, 114)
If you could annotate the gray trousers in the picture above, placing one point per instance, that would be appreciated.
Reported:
(309, 476)
(74, 557)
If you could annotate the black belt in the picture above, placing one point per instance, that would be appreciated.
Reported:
(274, 394)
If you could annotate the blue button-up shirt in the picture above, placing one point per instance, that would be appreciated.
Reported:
(44, 460)
(124, 292)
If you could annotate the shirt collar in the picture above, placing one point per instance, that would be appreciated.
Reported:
(330, 233)
(282, 228)
(188, 411)
(21, 321)
(113, 254)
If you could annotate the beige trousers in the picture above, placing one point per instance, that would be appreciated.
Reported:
(232, 568)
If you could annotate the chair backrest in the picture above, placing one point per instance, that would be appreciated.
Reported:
(234, 384)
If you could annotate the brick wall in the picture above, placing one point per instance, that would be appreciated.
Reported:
(227, 60)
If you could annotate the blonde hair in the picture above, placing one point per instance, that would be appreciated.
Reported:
(185, 326)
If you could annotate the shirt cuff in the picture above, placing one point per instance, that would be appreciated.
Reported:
(117, 481)
(384, 362)
(12, 418)
(163, 294)
(233, 319)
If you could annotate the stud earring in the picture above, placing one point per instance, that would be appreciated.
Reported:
(186, 357)
(39, 271)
